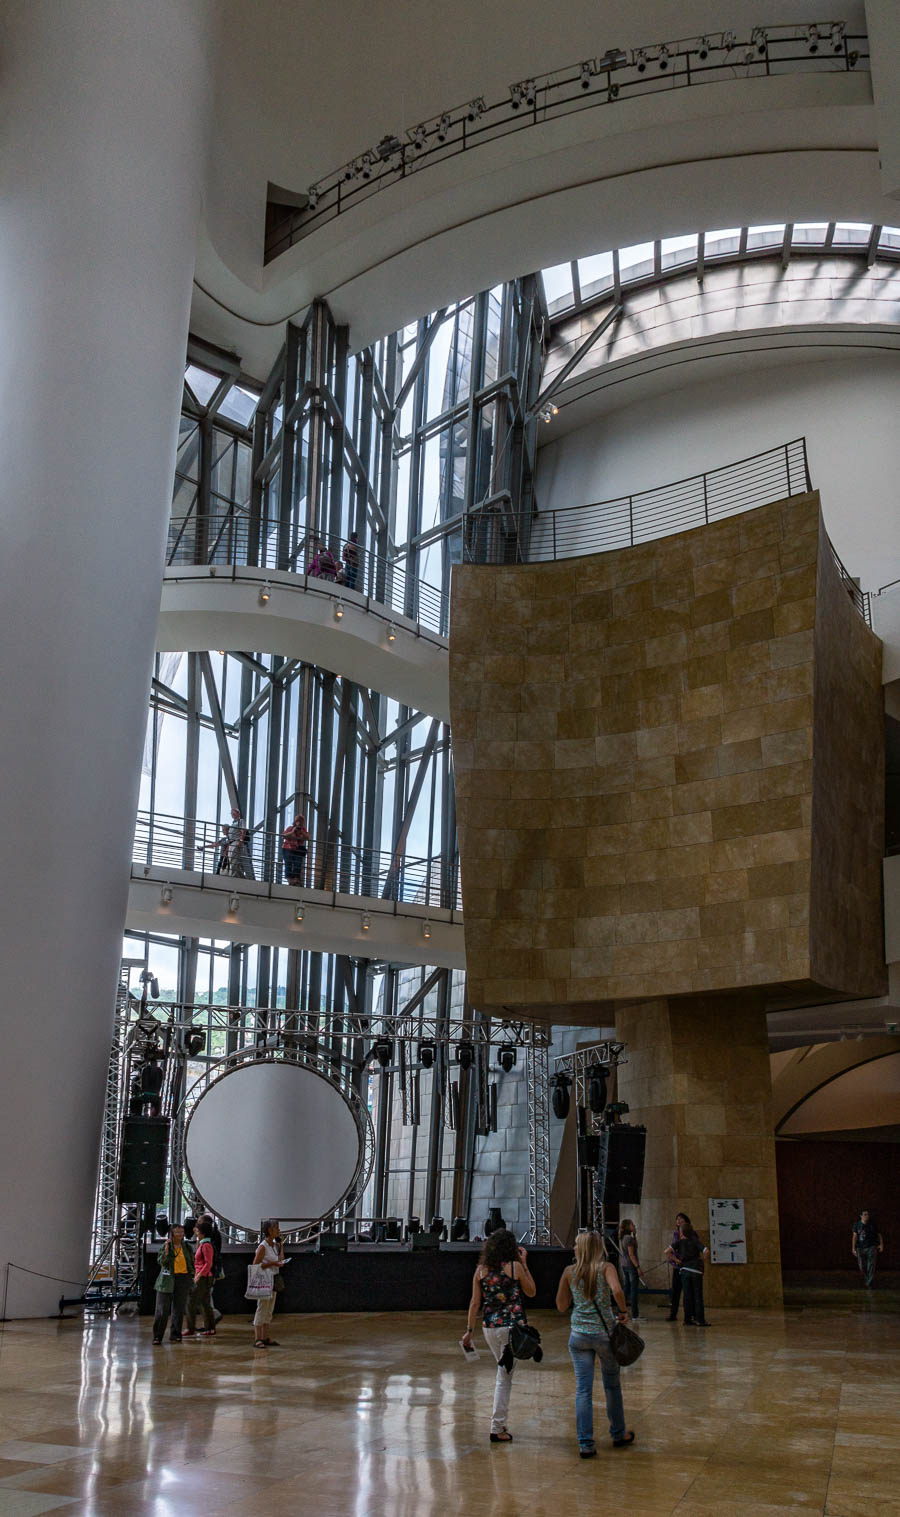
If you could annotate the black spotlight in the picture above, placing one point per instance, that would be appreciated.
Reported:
(414, 1225)
(194, 1042)
(506, 1058)
(465, 1053)
(383, 1051)
(427, 1051)
(438, 1226)
(162, 1225)
(703, 49)
(459, 1230)
(493, 1222)
(597, 1078)
(560, 1085)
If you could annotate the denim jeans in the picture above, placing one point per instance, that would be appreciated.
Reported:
(865, 1258)
(584, 1349)
(632, 1288)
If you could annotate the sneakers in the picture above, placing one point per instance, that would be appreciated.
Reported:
(587, 1453)
(157, 1342)
(206, 1332)
(189, 1333)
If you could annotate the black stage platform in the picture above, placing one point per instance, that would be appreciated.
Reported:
(371, 1277)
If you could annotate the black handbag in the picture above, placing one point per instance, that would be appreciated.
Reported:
(525, 1342)
(626, 1344)
(278, 1281)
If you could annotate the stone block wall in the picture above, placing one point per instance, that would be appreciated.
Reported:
(667, 773)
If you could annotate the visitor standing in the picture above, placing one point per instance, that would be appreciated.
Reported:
(501, 1278)
(173, 1285)
(690, 1251)
(630, 1265)
(199, 1299)
(293, 850)
(350, 557)
(269, 1256)
(241, 865)
(215, 1238)
(866, 1243)
(590, 1286)
(675, 1293)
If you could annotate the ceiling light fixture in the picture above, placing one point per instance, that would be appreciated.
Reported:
(760, 39)
(703, 49)
(475, 108)
(444, 126)
(640, 60)
(587, 73)
(265, 594)
(339, 610)
(312, 197)
(426, 929)
(838, 32)
(234, 902)
(812, 39)
(299, 912)
(663, 58)
(166, 895)
(366, 921)
(392, 633)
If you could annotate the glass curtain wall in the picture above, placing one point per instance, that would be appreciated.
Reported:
(409, 444)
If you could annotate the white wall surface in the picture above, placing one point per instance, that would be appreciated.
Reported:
(847, 407)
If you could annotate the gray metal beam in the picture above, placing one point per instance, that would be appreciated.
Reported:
(567, 368)
(418, 362)
(212, 696)
(410, 810)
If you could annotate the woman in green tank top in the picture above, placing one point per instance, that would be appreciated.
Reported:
(591, 1288)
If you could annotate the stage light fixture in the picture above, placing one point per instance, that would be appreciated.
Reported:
(760, 38)
(465, 1053)
(419, 138)
(299, 912)
(194, 1041)
(837, 36)
(459, 1230)
(597, 1078)
(559, 1085)
(392, 633)
(426, 929)
(640, 60)
(427, 1051)
(812, 39)
(312, 197)
(388, 146)
(413, 1226)
(587, 71)
(516, 95)
(384, 1051)
(663, 58)
(475, 108)
(366, 922)
(339, 611)
(438, 1226)
(613, 92)
(703, 49)
(166, 894)
(729, 41)
(234, 902)
(162, 1225)
(443, 128)
(506, 1058)
(366, 165)
(265, 594)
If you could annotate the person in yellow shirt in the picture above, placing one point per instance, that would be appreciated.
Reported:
(173, 1285)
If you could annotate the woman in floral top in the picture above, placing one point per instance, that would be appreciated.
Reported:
(501, 1277)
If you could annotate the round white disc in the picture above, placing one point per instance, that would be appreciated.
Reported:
(272, 1140)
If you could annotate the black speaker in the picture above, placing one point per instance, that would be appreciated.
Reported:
(424, 1240)
(625, 1165)
(145, 1151)
(331, 1243)
(588, 1150)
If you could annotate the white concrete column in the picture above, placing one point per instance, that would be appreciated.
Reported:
(103, 119)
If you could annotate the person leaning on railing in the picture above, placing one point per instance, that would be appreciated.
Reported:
(293, 850)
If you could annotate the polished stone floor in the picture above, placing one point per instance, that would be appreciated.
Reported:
(763, 1415)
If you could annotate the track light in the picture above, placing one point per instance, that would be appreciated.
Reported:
(587, 72)
(837, 36)
(392, 633)
(419, 137)
(506, 1058)
(312, 197)
(427, 1051)
(366, 165)
(812, 39)
(548, 412)
(529, 91)
(465, 1053)
(339, 611)
(515, 96)
(426, 929)
(166, 895)
(703, 49)
(444, 126)
(475, 109)
(366, 921)
(265, 594)
(559, 1085)
(663, 58)
(234, 902)
(383, 1051)
(640, 61)
(760, 38)
(299, 912)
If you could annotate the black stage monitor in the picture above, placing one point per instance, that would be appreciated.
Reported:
(327, 1243)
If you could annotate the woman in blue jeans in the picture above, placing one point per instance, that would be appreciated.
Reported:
(589, 1287)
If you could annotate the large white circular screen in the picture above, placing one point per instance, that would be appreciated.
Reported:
(272, 1140)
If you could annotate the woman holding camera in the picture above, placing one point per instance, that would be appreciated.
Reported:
(589, 1287)
(498, 1284)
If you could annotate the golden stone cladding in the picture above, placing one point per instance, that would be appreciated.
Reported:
(639, 770)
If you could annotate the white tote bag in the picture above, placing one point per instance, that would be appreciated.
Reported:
(259, 1283)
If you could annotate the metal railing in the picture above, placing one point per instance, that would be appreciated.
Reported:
(757, 52)
(499, 536)
(232, 539)
(173, 842)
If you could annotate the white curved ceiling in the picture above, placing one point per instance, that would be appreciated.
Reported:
(300, 92)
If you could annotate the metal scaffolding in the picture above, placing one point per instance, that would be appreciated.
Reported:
(537, 1086)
